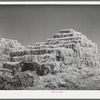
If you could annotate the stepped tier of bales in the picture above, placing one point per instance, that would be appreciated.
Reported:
(66, 39)
(65, 48)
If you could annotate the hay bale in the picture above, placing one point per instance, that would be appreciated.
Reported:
(67, 31)
(46, 58)
(12, 65)
(25, 58)
(4, 71)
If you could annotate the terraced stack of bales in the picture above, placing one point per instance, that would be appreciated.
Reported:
(68, 51)
(65, 48)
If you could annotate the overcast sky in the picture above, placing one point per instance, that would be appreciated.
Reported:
(31, 24)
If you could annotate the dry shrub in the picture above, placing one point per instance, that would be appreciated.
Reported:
(19, 81)
(59, 81)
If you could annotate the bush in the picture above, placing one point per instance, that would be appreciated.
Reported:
(19, 81)
(59, 81)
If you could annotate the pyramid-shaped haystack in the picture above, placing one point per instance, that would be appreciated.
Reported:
(65, 48)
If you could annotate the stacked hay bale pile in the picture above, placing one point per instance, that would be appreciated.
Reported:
(67, 51)
(65, 48)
